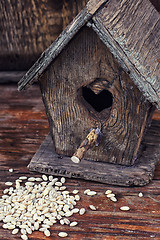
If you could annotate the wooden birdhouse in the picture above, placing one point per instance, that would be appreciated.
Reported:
(101, 75)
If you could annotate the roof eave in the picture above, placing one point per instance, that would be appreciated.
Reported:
(57, 46)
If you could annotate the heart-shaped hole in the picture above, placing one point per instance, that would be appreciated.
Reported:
(99, 101)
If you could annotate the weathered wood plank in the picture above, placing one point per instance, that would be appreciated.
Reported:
(23, 120)
(11, 76)
(47, 161)
(134, 41)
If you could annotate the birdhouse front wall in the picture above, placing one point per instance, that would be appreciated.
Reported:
(84, 88)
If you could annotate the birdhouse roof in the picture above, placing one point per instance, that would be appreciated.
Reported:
(129, 28)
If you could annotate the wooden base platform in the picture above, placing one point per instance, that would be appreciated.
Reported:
(47, 161)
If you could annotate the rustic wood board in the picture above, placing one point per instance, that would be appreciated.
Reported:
(47, 161)
(23, 127)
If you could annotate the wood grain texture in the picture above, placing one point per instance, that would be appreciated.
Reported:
(141, 173)
(28, 28)
(131, 29)
(23, 127)
(11, 76)
(87, 62)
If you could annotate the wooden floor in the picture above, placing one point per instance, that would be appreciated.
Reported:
(23, 127)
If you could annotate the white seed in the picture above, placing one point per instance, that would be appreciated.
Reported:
(11, 226)
(5, 226)
(108, 192)
(75, 159)
(29, 231)
(92, 207)
(72, 224)
(50, 178)
(110, 195)
(66, 221)
(47, 233)
(15, 231)
(29, 183)
(91, 193)
(62, 188)
(10, 170)
(5, 191)
(44, 177)
(65, 192)
(75, 210)
(69, 213)
(23, 178)
(113, 199)
(63, 180)
(82, 211)
(36, 225)
(124, 208)
(24, 237)
(8, 183)
(140, 194)
(31, 179)
(42, 229)
(23, 231)
(59, 184)
(38, 179)
(86, 191)
(77, 197)
(61, 222)
(62, 234)
(75, 191)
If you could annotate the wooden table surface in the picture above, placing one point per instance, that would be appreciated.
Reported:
(23, 127)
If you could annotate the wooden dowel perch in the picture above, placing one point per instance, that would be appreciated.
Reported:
(91, 139)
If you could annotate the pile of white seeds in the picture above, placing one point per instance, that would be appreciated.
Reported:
(38, 203)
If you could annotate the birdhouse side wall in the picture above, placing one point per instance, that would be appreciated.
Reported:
(87, 62)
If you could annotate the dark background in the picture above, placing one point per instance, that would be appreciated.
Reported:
(28, 27)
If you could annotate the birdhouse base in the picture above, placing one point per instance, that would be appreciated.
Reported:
(47, 161)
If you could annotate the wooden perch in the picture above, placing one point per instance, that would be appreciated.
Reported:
(87, 143)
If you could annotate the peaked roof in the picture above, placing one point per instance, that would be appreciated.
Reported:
(129, 28)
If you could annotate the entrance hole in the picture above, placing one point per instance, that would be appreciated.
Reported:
(99, 101)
